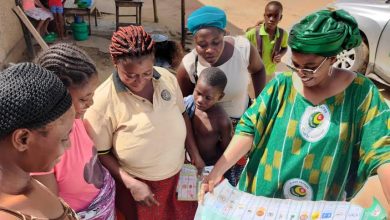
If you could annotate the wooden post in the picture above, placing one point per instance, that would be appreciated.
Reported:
(183, 24)
(27, 37)
(96, 13)
(116, 15)
(155, 11)
(19, 12)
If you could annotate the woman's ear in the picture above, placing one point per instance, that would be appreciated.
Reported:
(221, 96)
(20, 139)
(115, 62)
(333, 59)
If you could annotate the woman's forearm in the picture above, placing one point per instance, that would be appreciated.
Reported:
(238, 147)
(384, 177)
(113, 166)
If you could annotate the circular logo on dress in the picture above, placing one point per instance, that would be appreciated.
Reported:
(315, 123)
(297, 189)
(165, 95)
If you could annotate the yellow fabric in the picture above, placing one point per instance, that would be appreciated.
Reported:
(148, 139)
(267, 46)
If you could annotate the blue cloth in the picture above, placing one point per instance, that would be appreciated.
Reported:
(57, 9)
(206, 16)
(189, 104)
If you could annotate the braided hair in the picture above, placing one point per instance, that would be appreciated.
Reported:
(70, 63)
(131, 42)
(30, 97)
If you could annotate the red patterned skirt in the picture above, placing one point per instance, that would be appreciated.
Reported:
(165, 193)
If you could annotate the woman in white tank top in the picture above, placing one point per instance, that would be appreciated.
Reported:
(235, 56)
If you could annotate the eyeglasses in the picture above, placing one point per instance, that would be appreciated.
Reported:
(306, 71)
(133, 76)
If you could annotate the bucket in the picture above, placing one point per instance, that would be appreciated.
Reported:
(83, 3)
(80, 31)
(78, 19)
(50, 38)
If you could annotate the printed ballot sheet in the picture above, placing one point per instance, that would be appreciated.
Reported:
(187, 186)
(189, 182)
(228, 202)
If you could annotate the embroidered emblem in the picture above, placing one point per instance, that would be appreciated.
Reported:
(316, 119)
(315, 123)
(297, 189)
(166, 95)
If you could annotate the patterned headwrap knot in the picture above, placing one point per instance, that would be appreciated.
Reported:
(325, 33)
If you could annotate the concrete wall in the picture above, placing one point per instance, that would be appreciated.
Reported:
(12, 45)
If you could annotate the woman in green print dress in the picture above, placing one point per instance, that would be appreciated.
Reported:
(316, 132)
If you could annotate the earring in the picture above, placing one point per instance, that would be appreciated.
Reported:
(330, 72)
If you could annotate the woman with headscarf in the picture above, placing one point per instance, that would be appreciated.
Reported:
(35, 121)
(316, 132)
(235, 56)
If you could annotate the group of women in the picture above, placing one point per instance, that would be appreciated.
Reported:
(325, 126)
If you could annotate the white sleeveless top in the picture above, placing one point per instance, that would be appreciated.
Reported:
(235, 101)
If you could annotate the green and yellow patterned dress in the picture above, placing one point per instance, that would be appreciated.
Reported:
(314, 152)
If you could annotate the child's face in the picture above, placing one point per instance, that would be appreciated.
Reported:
(82, 96)
(206, 96)
(272, 16)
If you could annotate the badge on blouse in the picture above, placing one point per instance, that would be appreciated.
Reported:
(297, 189)
(165, 95)
(315, 123)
